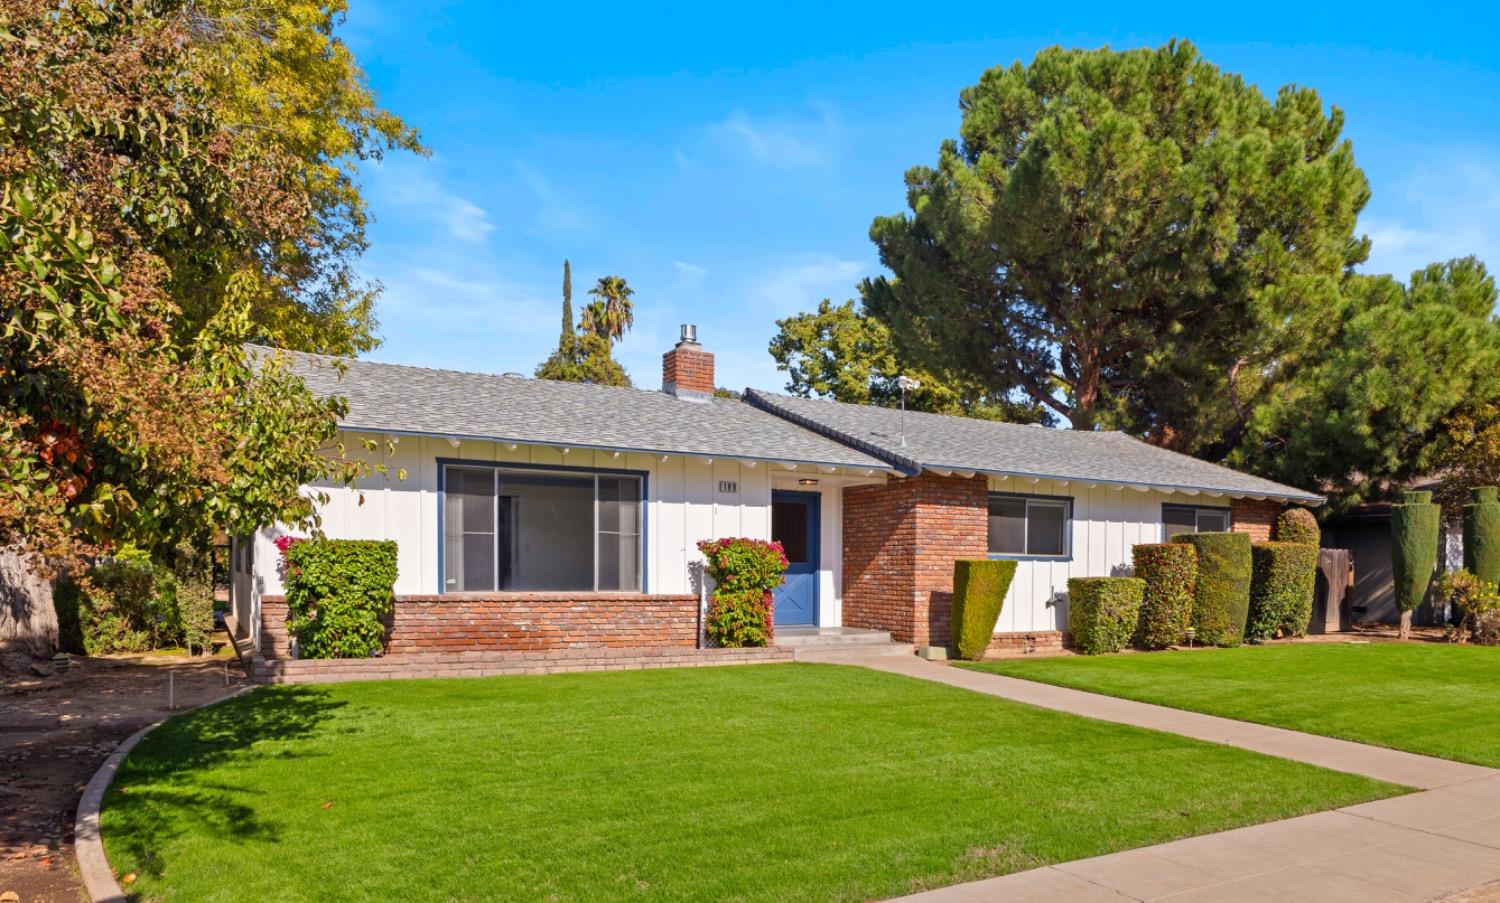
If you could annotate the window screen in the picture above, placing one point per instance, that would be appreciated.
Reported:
(1027, 526)
(540, 530)
(1192, 519)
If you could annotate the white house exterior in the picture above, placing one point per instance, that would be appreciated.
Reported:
(517, 488)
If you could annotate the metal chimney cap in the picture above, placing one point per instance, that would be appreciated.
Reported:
(689, 334)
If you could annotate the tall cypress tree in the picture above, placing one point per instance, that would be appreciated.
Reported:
(567, 323)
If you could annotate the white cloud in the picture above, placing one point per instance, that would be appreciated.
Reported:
(413, 186)
(1448, 207)
(799, 283)
(779, 141)
(466, 221)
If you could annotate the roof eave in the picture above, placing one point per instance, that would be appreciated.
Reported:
(875, 466)
(1187, 489)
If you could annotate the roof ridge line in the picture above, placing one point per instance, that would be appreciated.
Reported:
(762, 401)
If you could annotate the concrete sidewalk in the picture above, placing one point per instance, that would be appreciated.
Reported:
(1418, 847)
(1408, 769)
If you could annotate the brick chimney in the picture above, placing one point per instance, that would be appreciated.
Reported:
(687, 371)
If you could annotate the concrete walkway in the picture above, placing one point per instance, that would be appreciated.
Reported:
(1422, 846)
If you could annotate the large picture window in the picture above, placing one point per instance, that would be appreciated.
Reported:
(1029, 525)
(1193, 519)
(509, 529)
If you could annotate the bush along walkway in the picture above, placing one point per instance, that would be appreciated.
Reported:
(1416, 847)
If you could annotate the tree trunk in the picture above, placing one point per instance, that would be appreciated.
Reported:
(1405, 633)
(28, 622)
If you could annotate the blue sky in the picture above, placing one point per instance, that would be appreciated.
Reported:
(728, 163)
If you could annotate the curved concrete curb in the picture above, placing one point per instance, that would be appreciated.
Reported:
(88, 845)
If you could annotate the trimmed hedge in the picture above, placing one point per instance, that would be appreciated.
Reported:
(1170, 572)
(1482, 534)
(1298, 525)
(1414, 549)
(1221, 600)
(1283, 579)
(1103, 612)
(979, 588)
(338, 592)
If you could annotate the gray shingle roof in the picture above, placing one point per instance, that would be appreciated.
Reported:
(935, 441)
(398, 399)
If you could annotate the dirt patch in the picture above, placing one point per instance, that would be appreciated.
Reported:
(56, 731)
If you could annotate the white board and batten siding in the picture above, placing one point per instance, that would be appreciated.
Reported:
(687, 499)
(1106, 524)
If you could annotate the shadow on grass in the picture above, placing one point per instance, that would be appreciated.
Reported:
(161, 792)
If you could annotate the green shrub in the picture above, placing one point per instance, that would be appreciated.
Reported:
(1298, 525)
(1221, 600)
(1478, 604)
(338, 592)
(979, 588)
(1170, 571)
(129, 603)
(1283, 579)
(1414, 551)
(1482, 534)
(1103, 612)
(745, 572)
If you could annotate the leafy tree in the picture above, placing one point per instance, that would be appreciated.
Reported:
(1371, 410)
(118, 422)
(290, 90)
(1132, 239)
(1469, 452)
(584, 357)
(611, 314)
(844, 354)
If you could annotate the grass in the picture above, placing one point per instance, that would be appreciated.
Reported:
(1439, 700)
(769, 782)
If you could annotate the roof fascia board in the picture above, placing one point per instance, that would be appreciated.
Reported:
(466, 437)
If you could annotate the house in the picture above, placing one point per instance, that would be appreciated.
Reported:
(539, 515)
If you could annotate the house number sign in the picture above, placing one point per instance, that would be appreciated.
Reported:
(728, 486)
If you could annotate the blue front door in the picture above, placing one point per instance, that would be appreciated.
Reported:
(794, 524)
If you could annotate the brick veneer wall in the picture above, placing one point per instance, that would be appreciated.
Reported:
(1254, 516)
(900, 541)
(518, 622)
(489, 664)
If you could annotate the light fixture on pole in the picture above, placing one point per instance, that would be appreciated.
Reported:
(905, 382)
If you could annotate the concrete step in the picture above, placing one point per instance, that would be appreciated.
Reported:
(807, 638)
(851, 653)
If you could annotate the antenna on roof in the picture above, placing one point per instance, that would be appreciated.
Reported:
(905, 382)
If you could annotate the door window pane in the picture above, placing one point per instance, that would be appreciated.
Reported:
(1045, 526)
(789, 527)
(1007, 526)
(548, 540)
(469, 530)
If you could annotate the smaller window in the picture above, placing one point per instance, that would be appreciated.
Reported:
(1021, 525)
(1193, 519)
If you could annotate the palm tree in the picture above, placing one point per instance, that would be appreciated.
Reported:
(612, 313)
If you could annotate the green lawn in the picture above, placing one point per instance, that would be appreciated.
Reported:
(1441, 700)
(767, 782)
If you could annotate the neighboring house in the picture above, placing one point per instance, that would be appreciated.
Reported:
(542, 515)
(1365, 531)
